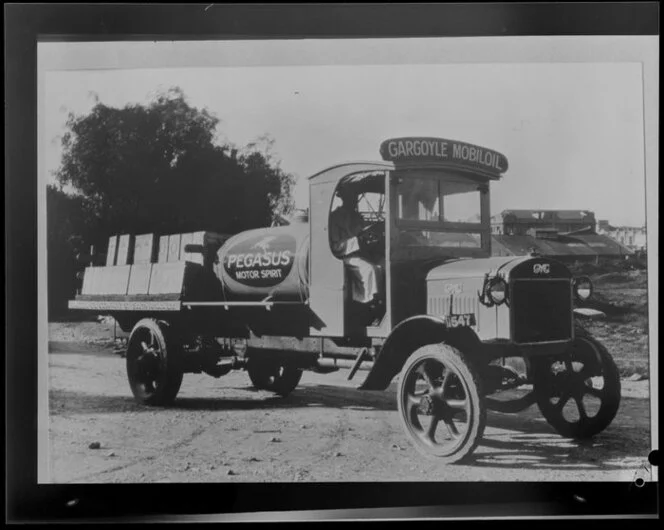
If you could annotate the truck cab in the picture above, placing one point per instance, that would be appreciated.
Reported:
(427, 203)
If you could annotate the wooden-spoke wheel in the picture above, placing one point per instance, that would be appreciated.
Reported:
(274, 377)
(440, 403)
(578, 393)
(152, 363)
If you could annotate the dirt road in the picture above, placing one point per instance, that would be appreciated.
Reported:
(222, 430)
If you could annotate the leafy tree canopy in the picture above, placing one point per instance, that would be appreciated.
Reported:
(157, 168)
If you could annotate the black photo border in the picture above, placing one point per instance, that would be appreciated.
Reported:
(25, 25)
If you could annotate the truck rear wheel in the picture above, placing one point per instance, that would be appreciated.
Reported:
(579, 393)
(274, 377)
(153, 363)
(440, 403)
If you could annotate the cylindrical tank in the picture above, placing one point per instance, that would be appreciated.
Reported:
(266, 262)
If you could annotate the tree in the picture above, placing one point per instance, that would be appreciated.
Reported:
(157, 169)
(260, 154)
(66, 229)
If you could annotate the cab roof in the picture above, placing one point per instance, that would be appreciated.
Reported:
(348, 169)
(340, 171)
(425, 153)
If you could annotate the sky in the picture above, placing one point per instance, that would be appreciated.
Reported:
(573, 132)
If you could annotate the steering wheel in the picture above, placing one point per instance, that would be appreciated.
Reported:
(372, 237)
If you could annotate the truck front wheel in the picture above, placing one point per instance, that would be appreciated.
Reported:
(274, 377)
(441, 404)
(578, 393)
(153, 363)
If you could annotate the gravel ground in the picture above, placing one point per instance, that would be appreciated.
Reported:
(221, 430)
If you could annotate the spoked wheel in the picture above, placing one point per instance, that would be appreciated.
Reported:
(440, 403)
(274, 377)
(152, 363)
(579, 393)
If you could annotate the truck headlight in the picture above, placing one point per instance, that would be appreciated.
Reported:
(583, 288)
(497, 291)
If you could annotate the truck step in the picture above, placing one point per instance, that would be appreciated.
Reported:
(358, 361)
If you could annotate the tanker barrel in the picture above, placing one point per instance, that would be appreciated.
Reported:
(266, 262)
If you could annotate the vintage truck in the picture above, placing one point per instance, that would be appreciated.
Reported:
(450, 320)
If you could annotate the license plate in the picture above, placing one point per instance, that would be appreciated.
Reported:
(461, 320)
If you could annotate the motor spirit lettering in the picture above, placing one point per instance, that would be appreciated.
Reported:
(275, 259)
(447, 150)
(254, 275)
(261, 260)
(252, 266)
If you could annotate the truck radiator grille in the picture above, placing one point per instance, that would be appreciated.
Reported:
(440, 305)
(541, 310)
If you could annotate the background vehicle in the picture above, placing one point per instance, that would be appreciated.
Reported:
(276, 301)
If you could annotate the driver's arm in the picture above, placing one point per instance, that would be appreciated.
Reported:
(343, 242)
(347, 247)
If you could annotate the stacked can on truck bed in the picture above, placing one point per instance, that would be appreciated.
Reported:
(145, 267)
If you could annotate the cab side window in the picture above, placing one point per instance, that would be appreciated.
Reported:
(345, 223)
(357, 203)
(371, 206)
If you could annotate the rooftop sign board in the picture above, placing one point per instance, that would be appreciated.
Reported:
(467, 156)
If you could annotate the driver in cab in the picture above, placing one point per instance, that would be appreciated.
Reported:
(348, 240)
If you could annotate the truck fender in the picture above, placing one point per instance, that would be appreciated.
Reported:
(407, 337)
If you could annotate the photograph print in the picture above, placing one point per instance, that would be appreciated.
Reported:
(351, 260)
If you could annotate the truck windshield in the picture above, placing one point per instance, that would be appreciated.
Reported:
(441, 210)
(429, 199)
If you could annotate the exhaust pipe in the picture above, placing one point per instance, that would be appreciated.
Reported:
(327, 365)
(309, 361)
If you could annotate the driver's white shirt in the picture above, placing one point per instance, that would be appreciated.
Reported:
(345, 224)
